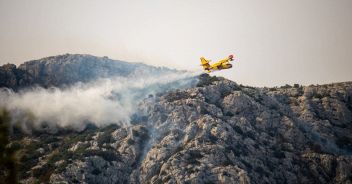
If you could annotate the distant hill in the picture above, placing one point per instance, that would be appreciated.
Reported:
(68, 69)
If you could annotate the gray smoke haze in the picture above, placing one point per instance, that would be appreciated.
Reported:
(102, 102)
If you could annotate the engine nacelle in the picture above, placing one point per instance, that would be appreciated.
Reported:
(226, 66)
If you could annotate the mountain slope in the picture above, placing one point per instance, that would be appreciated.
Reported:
(215, 132)
(68, 69)
(228, 133)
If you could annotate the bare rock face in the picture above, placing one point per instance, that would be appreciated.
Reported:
(13, 77)
(215, 132)
(225, 133)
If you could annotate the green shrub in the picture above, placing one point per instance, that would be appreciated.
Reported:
(344, 142)
(279, 154)
(206, 80)
(228, 113)
(8, 164)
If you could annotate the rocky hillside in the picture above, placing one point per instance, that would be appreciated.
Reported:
(68, 69)
(215, 132)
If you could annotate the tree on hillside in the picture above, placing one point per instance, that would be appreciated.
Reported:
(8, 172)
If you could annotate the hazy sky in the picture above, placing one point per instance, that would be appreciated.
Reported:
(275, 41)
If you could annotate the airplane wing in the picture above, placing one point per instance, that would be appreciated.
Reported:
(205, 64)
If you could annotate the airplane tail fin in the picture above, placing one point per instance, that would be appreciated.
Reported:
(205, 64)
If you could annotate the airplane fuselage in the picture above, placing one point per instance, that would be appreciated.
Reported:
(224, 66)
(220, 65)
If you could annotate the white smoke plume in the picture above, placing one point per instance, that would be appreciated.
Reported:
(102, 102)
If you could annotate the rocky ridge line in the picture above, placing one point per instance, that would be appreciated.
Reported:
(217, 132)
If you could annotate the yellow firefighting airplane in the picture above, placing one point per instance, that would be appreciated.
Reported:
(220, 65)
